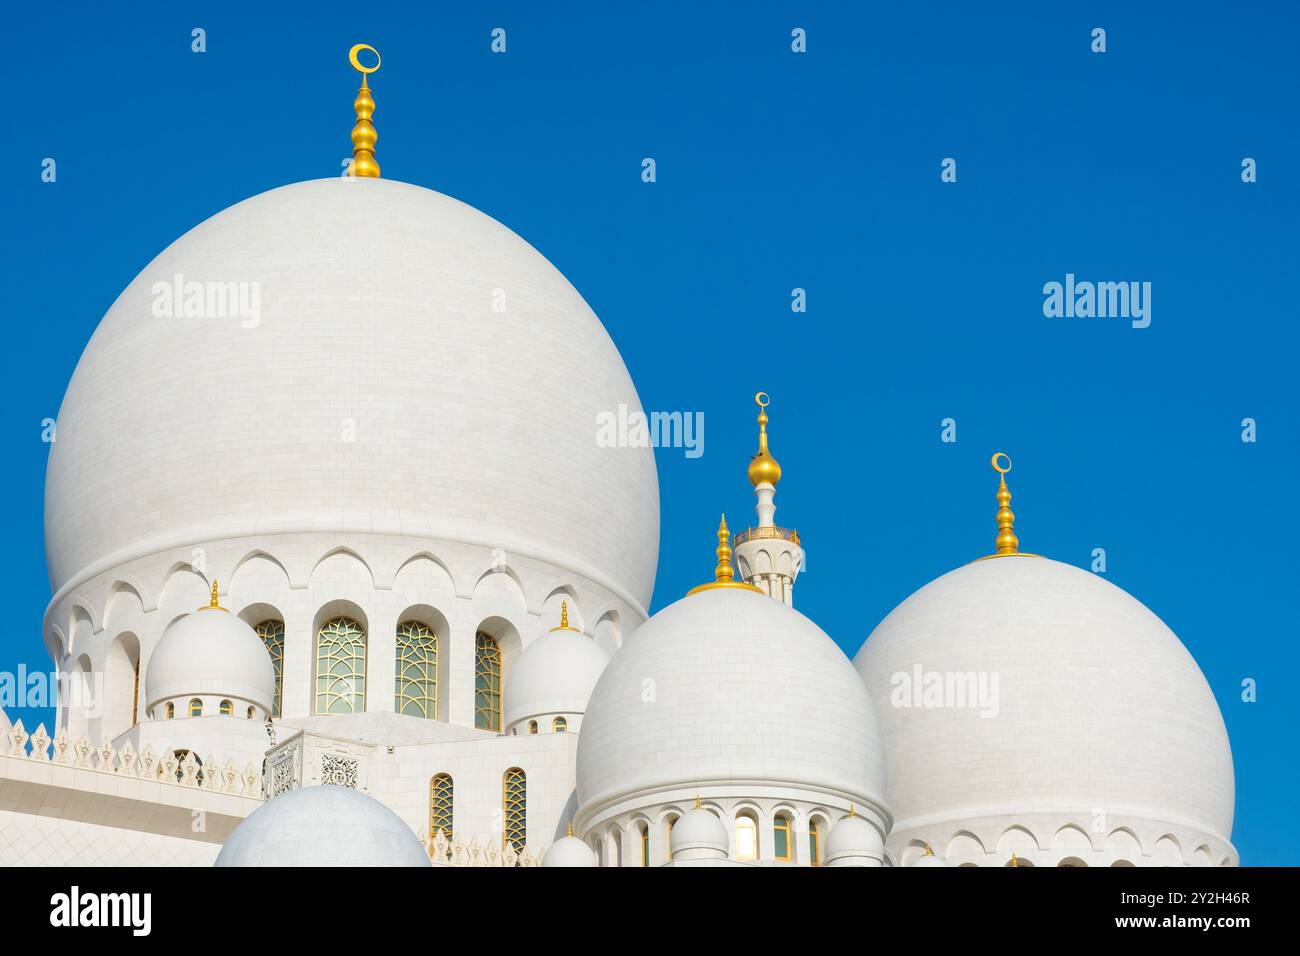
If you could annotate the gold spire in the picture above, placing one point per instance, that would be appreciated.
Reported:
(698, 804)
(929, 850)
(723, 575)
(564, 619)
(1007, 542)
(570, 833)
(852, 812)
(1014, 861)
(213, 604)
(763, 467)
(363, 133)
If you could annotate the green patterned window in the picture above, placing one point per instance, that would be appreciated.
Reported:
(196, 708)
(815, 843)
(272, 635)
(487, 683)
(440, 806)
(341, 667)
(416, 691)
(514, 805)
(781, 838)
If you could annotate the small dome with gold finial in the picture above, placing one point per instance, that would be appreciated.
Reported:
(214, 657)
(569, 851)
(548, 686)
(1073, 696)
(725, 693)
(763, 467)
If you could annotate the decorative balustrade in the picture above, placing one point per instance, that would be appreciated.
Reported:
(187, 771)
(444, 852)
(755, 534)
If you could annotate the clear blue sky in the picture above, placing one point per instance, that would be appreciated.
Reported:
(777, 171)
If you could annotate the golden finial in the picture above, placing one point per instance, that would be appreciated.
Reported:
(929, 850)
(723, 575)
(698, 804)
(363, 133)
(763, 467)
(564, 619)
(1007, 542)
(570, 833)
(1014, 861)
(213, 604)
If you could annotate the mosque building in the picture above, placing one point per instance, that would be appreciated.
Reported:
(347, 580)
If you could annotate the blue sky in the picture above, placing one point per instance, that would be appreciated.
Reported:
(776, 171)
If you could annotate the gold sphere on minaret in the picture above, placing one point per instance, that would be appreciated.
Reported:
(364, 135)
(763, 467)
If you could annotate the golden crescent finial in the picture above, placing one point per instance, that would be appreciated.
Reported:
(364, 136)
(763, 467)
(763, 399)
(1007, 542)
(1001, 470)
(356, 63)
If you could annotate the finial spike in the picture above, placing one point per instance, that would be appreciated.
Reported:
(852, 811)
(564, 614)
(570, 833)
(723, 573)
(214, 594)
(698, 804)
(363, 133)
(1007, 542)
(763, 468)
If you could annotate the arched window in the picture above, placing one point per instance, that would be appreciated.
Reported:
(440, 806)
(781, 837)
(135, 697)
(250, 713)
(815, 842)
(560, 725)
(171, 710)
(532, 726)
(196, 707)
(746, 837)
(341, 667)
(272, 635)
(416, 693)
(227, 709)
(487, 683)
(514, 806)
(668, 835)
(644, 833)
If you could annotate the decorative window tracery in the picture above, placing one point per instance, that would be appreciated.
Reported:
(441, 806)
(226, 708)
(487, 682)
(341, 667)
(272, 635)
(514, 806)
(416, 692)
(196, 707)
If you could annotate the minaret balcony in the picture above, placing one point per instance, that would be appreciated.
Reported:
(756, 534)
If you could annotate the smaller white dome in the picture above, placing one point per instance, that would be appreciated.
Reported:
(698, 834)
(214, 653)
(569, 851)
(854, 842)
(554, 675)
(323, 826)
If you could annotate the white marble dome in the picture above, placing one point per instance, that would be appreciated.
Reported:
(1098, 706)
(728, 688)
(554, 675)
(210, 653)
(699, 834)
(569, 851)
(854, 842)
(415, 368)
(323, 826)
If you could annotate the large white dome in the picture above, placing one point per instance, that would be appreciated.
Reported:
(728, 687)
(1099, 706)
(416, 368)
(323, 826)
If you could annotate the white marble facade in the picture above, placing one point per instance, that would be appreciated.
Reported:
(406, 432)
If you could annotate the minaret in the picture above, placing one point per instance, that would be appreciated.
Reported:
(767, 556)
